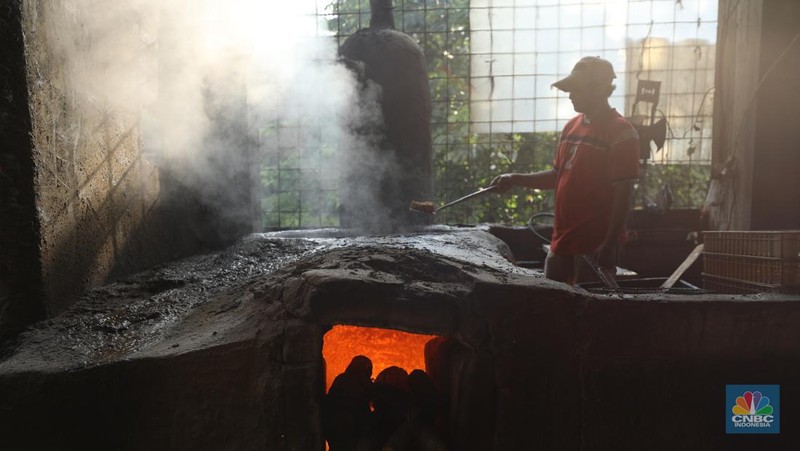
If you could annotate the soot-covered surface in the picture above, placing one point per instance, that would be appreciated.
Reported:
(127, 318)
(223, 351)
(124, 318)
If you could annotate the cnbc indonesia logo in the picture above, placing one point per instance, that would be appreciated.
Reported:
(752, 411)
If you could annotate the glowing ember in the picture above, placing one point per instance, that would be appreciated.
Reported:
(423, 207)
(384, 347)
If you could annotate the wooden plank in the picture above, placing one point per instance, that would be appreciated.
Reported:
(683, 267)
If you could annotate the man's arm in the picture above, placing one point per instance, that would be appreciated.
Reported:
(535, 180)
(619, 215)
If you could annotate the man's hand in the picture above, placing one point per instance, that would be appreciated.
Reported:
(502, 183)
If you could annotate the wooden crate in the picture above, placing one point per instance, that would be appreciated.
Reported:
(731, 286)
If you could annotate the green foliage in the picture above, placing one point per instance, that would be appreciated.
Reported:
(688, 185)
(464, 161)
(460, 169)
(297, 191)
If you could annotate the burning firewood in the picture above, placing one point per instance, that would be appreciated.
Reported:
(423, 207)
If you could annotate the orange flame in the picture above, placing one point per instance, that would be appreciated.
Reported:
(385, 347)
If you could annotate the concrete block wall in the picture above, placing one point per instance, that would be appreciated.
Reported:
(19, 228)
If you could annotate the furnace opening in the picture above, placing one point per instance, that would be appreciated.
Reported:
(384, 347)
(383, 388)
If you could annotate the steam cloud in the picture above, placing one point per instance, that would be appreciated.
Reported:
(187, 67)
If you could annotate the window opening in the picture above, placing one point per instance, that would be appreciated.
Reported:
(490, 65)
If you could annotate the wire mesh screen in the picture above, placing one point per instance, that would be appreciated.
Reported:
(298, 190)
(490, 66)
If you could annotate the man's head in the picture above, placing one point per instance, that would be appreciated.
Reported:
(589, 84)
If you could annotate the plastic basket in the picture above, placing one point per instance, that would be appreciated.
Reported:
(783, 244)
(650, 285)
(761, 270)
(730, 286)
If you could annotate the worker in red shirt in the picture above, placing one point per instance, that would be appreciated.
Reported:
(595, 168)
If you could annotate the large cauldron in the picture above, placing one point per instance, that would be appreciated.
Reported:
(392, 70)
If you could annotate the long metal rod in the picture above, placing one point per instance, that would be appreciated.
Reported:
(602, 273)
(478, 193)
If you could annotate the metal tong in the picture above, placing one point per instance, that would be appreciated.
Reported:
(602, 273)
(478, 193)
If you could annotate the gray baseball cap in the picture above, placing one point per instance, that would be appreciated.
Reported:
(590, 70)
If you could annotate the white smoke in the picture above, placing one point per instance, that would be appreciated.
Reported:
(182, 66)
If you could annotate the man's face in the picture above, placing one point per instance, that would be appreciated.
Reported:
(585, 97)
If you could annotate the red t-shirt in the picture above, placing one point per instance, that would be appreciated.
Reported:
(592, 157)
